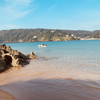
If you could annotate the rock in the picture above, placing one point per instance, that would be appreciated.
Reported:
(10, 57)
(2, 69)
(22, 56)
(14, 52)
(3, 46)
(23, 62)
(32, 55)
(2, 65)
(15, 62)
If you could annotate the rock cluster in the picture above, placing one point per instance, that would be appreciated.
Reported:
(10, 57)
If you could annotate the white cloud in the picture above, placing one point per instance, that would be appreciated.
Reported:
(22, 14)
(10, 26)
(14, 9)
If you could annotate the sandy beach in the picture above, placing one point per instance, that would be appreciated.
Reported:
(43, 83)
(5, 96)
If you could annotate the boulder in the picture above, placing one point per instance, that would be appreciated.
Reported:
(2, 65)
(14, 52)
(32, 55)
(10, 57)
(3, 46)
(1, 69)
(22, 56)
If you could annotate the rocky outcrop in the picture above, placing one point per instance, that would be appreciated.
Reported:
(3, 65)
(31, 55)
(10, 57)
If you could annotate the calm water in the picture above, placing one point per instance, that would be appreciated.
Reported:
(66, 70)
(76, 55)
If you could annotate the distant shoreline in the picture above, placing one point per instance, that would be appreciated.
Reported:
(56, 41)
(90, 39)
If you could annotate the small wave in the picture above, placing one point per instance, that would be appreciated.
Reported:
(92, 85)
(47, 58)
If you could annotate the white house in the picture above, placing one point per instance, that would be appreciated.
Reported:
(34, 36)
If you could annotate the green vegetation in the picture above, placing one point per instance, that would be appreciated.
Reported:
(35, 35)
(96, 35)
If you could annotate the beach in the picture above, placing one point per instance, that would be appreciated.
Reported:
(67, 70)
(44, 83)
(5, 96)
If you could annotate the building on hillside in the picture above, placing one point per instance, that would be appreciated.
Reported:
(34, 36)
(52, 31)
(20, 40)
(72, 35)
(67, 36)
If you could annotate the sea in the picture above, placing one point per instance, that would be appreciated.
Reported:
(64, 70)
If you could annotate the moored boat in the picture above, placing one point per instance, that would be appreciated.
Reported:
(42, 45)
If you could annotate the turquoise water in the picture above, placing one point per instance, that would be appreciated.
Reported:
(82, 56)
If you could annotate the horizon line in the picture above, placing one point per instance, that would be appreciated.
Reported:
(48, 29)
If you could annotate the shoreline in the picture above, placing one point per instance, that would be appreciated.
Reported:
(52, 41)
(5, 95)
(90, 39)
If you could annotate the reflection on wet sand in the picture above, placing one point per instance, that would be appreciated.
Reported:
(5, 96)
(52, 89)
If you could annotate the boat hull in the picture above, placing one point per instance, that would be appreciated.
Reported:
(42, 46)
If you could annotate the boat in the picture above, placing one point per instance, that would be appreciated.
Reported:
(42, 45)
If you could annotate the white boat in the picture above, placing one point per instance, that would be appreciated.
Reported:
(42, 45)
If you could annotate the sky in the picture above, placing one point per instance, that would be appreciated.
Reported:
(50, 14)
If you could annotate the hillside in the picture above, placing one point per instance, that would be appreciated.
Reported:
(96, 35)
(33, 35)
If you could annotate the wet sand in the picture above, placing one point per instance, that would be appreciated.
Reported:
(39, 82)
(5, 96)
(52, 89)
